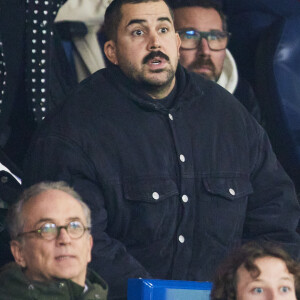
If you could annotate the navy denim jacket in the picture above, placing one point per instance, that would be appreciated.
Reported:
(171, 190)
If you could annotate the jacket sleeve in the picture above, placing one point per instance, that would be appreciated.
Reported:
(273, 209)
(54, 158)
(245, 94)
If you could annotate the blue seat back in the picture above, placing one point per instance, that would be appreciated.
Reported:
(278, 88)
(153, 289)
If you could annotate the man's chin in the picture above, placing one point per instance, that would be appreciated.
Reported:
(158, 78)
(205, 74)
(156, 82)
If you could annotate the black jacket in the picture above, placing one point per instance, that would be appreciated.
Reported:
(171, 190)
(35, 75)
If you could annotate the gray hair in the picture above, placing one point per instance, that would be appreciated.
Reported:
(15, 217)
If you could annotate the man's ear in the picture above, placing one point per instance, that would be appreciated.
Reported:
(91, 242)
(110, 51)
(178, 43)
(17, 251)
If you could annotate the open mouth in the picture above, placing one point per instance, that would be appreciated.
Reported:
(155, 58)
(156, 61)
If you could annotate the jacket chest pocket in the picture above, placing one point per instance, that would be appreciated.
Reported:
(223, 206)
(150, 191)
(151, 207)
(227, 188)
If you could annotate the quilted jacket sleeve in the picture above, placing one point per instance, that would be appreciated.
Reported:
(273, 209)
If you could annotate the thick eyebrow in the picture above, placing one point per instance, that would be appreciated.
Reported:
(164, 19)
(141, 21)
(136, 21)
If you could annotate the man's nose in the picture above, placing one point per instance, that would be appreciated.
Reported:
(154, 41)
(63, 237)
(203, 47)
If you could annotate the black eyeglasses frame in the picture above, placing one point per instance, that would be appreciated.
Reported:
(205, 35)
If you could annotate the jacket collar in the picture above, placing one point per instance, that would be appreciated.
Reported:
(16, 274)
(93, 278)
(186, 89)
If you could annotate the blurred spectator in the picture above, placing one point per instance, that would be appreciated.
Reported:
(34, 72)
(203, 31)
(16, 121)
(79, 21)
(10, 187)
(257, 271)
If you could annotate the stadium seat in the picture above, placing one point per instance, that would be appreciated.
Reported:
(278, 87)
(153, 289)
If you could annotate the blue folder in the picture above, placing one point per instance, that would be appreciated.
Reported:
(154, 289)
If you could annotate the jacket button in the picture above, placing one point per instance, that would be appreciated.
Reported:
(182, 158)
(31, 287)
(155, 196)
(170, 117)
(232, 192)
(181, 239)
(185, 198)
(61, 285)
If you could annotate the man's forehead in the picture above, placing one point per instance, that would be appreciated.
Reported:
(146, 12)
(198, 18)
(52, 204)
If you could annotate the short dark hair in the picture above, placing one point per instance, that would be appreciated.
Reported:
(113, 16)
(174, 4)
(225, 281)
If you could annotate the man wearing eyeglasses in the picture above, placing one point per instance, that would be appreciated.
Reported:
(202, 27)
(51, 243)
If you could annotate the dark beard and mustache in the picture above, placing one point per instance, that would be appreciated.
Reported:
(152, 86)
(203, 61)
(146, 79)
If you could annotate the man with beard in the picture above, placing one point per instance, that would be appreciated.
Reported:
(202, 27)
(174, 169)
